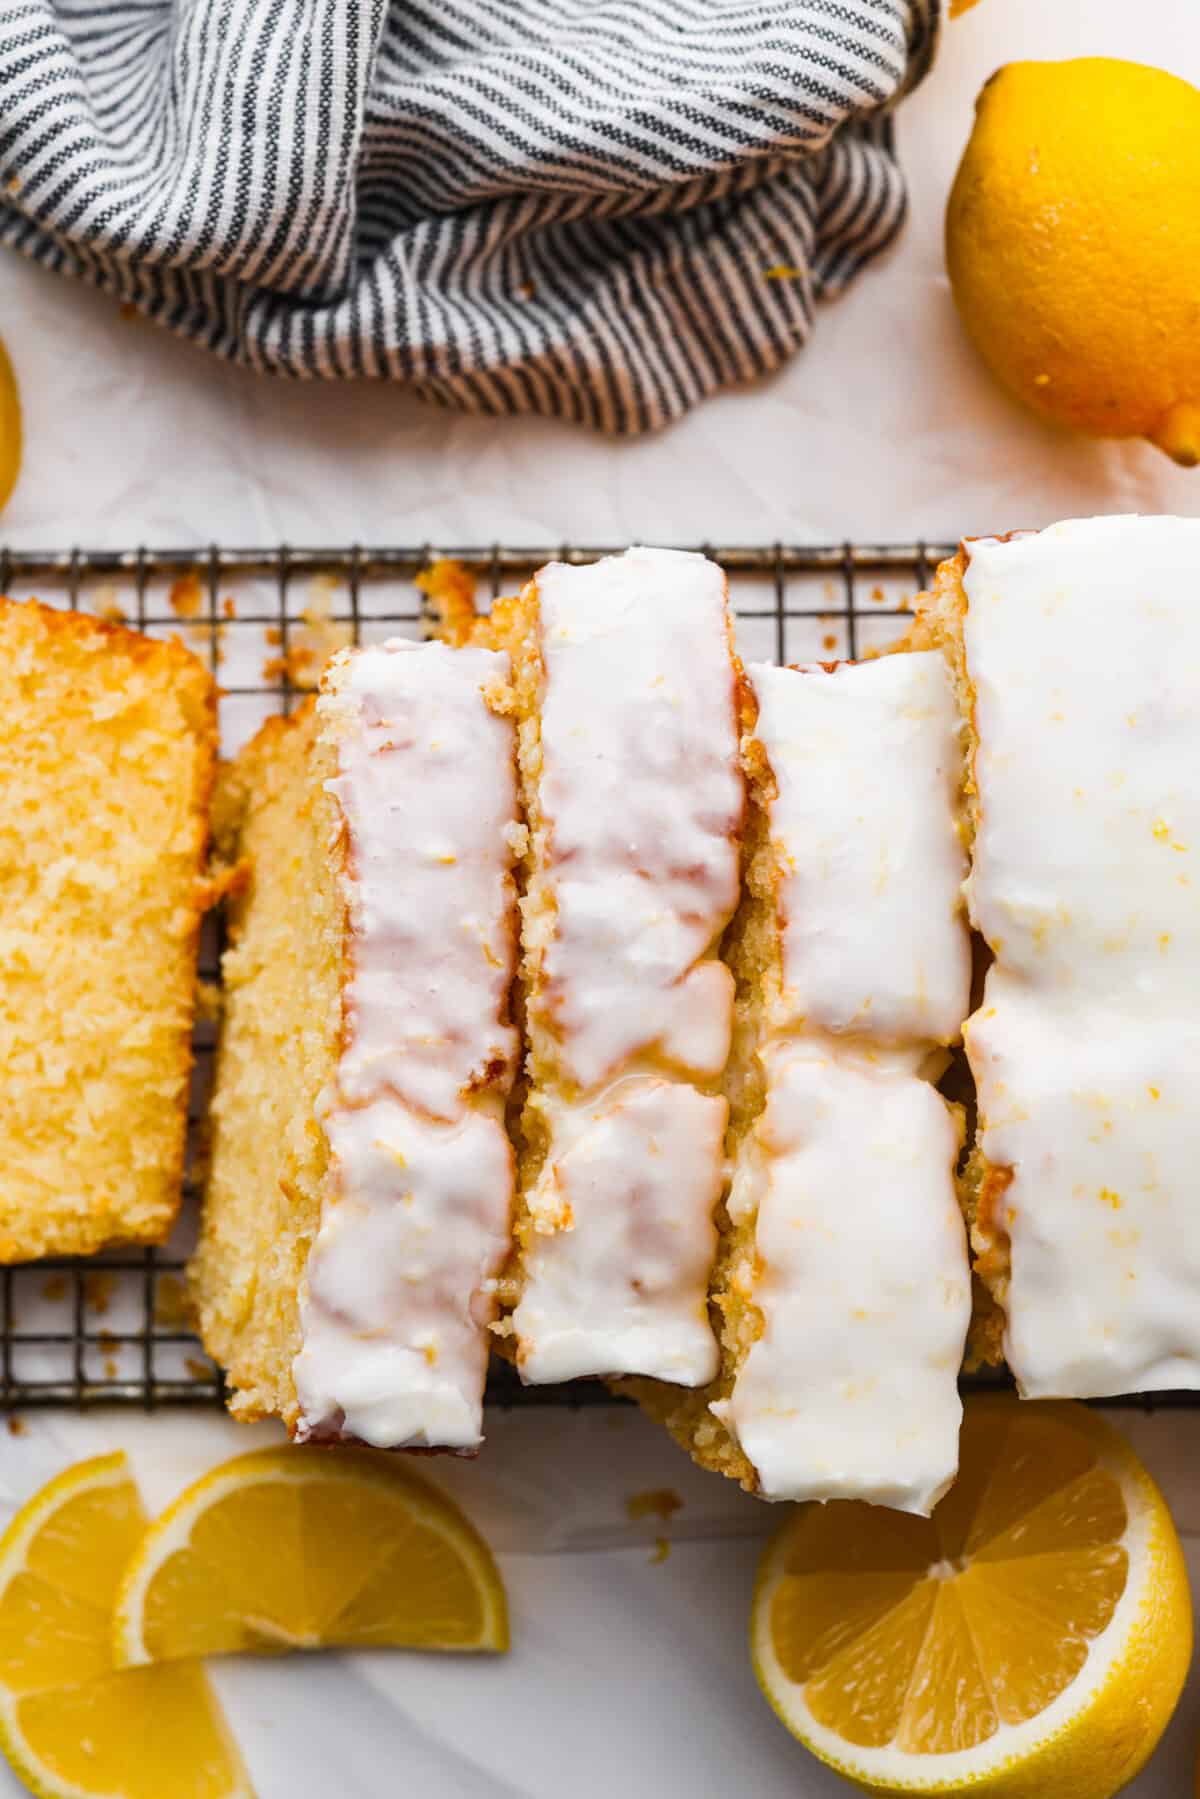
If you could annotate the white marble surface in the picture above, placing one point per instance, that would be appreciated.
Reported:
(627, 1675)
(884, 427)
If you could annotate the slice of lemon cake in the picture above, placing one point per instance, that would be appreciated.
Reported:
(1077, 657)
(108, 747)
(359, 1207)
(843, 1281)
(628, 695)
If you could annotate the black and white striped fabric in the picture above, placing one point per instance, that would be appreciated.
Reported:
(596, 209)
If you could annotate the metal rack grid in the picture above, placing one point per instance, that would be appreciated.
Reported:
(110, 1329)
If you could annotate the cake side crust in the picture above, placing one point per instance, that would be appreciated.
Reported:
(938, 625)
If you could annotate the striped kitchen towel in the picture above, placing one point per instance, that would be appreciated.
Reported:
(600, 210)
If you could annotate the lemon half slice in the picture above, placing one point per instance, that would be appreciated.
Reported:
(303, 1549)
(70, 1726)
(1031, 1638)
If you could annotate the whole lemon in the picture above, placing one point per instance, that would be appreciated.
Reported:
(1073, 246)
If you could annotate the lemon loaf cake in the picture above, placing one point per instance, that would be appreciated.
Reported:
(109, 744)
(359, 1207)
(1076, 652)
(628, 697)
(843, 1282)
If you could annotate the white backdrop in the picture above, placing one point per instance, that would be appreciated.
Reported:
(627, 1675)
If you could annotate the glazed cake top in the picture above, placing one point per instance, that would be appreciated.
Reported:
(400, 1283)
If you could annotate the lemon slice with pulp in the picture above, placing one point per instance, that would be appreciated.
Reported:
(1031, 1638)
(306, 1549)
(71, 1727)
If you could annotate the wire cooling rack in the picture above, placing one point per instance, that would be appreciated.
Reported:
(112, 1329)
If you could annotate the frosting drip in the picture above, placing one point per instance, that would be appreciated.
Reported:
(616, 1272)
(426, 787)
(643, 800)
(861, 1272)
(401, 1281)
(865, 1289)
(866, 763)
(641, 803)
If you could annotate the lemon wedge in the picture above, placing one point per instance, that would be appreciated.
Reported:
(71, 1727)
(303, 1549)
(1031, 1638)
(10, 429)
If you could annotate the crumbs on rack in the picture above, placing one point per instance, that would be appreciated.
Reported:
(311, 642)
(655, 1502)
(171, 1308)
(98, 1289)
(186, 595)
(449, 587)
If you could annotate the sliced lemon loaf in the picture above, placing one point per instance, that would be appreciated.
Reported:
(1076, 654)
(108, 744)
(843, 1282)
(359, 1204)
(628, 699)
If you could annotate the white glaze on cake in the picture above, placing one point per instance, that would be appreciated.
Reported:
(865, 1291)
(643, 797)
(400, 1285)
(425, 784)
(401, 1282)
(641, 805)
(861, 1272)
(616, 1270)
(866, 763)
(1083, 647)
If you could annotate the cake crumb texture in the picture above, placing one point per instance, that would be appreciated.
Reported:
(278, 1051)
(108, 745)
